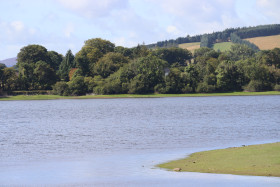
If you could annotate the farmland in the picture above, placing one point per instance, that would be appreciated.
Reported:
(190, 46)
(266, 42)
(224, 46)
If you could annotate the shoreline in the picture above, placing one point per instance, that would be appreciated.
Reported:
(55, 97)
(251, 160)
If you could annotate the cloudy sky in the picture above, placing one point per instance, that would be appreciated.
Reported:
(60, 25)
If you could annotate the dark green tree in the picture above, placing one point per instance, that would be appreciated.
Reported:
(228, 77)
(77, 86)
(149, 72)
(66, 65)
(109, 64)
(45, 75)
(174, 55)
(55, 60)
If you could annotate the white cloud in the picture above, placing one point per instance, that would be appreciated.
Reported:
(69, 29)
(270, 9)
(171, 29)
(94, 8)
(17, 26)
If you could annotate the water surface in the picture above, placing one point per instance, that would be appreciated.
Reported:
(117, 142)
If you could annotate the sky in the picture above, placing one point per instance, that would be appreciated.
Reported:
(60, 25)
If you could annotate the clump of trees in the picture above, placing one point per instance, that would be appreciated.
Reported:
(102, 68)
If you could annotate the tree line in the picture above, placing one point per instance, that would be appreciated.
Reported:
(102, 68)
(236, 35)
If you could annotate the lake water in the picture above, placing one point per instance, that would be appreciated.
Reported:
(118, 142)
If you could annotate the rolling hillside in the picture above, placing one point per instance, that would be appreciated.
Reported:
(266, 42)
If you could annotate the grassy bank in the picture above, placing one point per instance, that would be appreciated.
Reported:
(258, 160)
(49, 97)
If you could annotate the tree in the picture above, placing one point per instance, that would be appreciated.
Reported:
(127, 52)
(109, 64)
(66, 65)
(55, 60)
(228, 77)
(149, 72)
(45, 75)
(175, 81)
(86, 58)
(91, 52)
(240, 52)
(9, 79)
(33, 54)
(33, 61)
(192, 77)
(77, 86)
(104, 46)
(174, 55)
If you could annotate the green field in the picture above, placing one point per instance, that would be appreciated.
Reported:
(50, 97)
(224, 46)
(257, 160)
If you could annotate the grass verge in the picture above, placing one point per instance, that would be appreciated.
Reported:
(257, 160)
(50, 97)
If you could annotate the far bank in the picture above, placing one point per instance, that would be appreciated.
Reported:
(52, 97)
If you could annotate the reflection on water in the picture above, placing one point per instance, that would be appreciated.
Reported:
(118, 141)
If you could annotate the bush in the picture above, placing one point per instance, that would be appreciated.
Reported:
(61, 88)
(77, 86)
(205, 88)
(277, 87)
(254, 86)
(187, 89)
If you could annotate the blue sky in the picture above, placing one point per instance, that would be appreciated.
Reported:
(60, 25)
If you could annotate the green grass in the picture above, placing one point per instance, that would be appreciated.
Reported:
(223, 46)
(257, 160)
(50, 97)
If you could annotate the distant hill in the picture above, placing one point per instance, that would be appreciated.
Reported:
(9, 62)
(234, 35)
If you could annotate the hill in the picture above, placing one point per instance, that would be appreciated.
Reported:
(266, 42)
(9, 62)
(235, 35)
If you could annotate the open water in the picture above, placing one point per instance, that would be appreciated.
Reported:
(118, 142)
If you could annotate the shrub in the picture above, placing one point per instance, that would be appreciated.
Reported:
(187, 89)
(277, 87)
(77, 86)
(61, 88)
(205, 88)
(254, 86)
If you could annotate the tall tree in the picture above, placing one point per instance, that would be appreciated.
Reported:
(66, 65)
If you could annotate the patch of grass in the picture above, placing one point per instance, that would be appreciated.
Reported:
(266, 42)
(190, 46)
(223, 46)
(50, 97)
(31, 97)
(257, 160)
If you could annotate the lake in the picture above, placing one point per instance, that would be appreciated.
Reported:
(118, 142)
